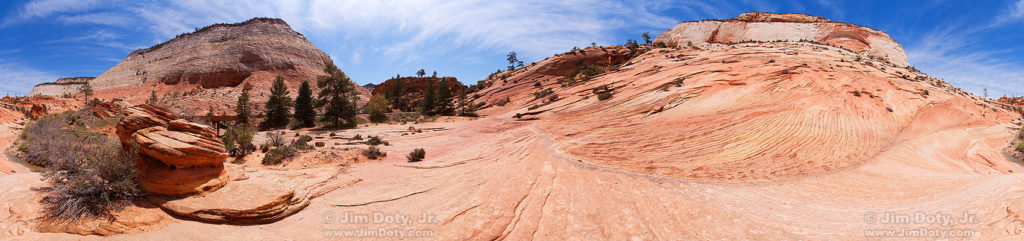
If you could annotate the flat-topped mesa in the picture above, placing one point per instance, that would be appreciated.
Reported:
(60, 87)
(758, 26)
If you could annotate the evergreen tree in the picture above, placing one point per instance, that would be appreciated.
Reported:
(512, 60)
(397, 90)
(378, 108)
(435, 75)
(305, 114)
(444, 98)
(337, 97)
(647, 38)
(421, 73)
(243, 108)
(152, 98)
(87, 91)
(428, 102)
(461, 102)
(278, 105)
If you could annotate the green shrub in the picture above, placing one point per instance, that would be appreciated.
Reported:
(276, 156)
(417, 155)
(241, 135)
(604, 96)
(533, 107)
(373, 153)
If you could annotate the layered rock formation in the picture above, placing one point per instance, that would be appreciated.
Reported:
(176, 157)
(412, 87)
(210, 67)
(61, 87)
(756, 26)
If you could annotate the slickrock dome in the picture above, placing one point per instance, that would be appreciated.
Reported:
(765, 27)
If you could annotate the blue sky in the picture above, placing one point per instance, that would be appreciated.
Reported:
(972, 44)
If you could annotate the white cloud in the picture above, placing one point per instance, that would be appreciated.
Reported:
(18, 79)
(106, 18)
(951, 55)
(46, 8)
(357, 59)
(535, 27)
(1018, 10)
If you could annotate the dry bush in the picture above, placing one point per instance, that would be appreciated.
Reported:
(376, 140)
(90, 178)
(417, 155)
(373, 153)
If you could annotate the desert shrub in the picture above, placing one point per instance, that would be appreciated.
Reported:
(90, 178)
(590, 70)
(604, 96)
(1019, 147)
(502, 102)
(42, 139)
(553, 97)
(542, 93)
(276, 156)
(373, 153)
(238, 139)
(600, 89)
(302, 142)
(274, 139)
(417, 155)
(376, 140)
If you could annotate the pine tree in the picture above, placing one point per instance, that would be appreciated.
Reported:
(512, 60)
(647, 38)
(397, 90)
(428, 102)
(305, 114)
(444, 98)
(87, 91)
(435, 75)
(337, 97)
(421, 73)
(278, 105)
(152, 98)
(461, 102)
(243, 108)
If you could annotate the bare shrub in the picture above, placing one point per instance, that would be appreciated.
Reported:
(274, 139)
(373, 153)
(417, 155)
(89, 179)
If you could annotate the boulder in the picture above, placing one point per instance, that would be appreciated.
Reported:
(176, 157)
(140, 117)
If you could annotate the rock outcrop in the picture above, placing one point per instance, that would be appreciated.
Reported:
(176, 157)
(411, 88)
(766, 27)
(210, 67)
(61, 87)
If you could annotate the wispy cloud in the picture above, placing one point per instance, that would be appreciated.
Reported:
(45, 8)
(18, 79)
(105, 18)
(950, 54)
